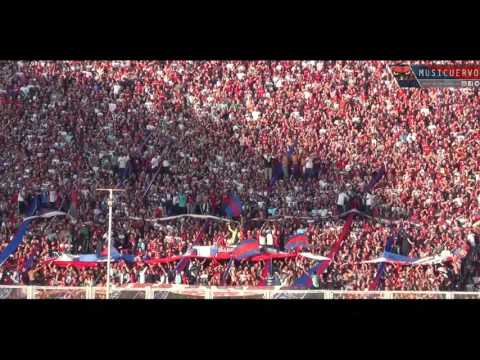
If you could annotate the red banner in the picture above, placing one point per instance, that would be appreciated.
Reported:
(345, 232)
(218, 257)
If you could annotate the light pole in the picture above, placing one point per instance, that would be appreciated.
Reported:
(109, 238)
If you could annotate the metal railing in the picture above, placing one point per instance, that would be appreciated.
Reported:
(205, 292)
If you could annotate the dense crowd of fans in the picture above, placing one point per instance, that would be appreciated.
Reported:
(181, 135)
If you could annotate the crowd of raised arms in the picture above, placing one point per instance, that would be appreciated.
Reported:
(180, 136)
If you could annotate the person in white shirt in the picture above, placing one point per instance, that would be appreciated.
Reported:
(52, 198)
(21, 202)
(122, 162)
(269, 239)
(154, 163)
(309, 168)
(369, 202)
(165, 167)
(342, 201)
(261, 240)
(122, 165)
(116, 89)
(141, 278)
(268, 166)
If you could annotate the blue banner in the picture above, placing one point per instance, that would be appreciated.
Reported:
(22, 230)
(381, 267)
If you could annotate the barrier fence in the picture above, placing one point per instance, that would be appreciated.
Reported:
(203, 292)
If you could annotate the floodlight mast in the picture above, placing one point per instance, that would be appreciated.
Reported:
(109, 236)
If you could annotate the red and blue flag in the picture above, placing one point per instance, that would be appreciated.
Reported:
(298, 241)
(246, 249)
(233, 206)
(305, 281)
(182, 264)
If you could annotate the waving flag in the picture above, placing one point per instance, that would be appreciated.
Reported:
(277, 173)
(313, 256)
(182, 264)
(398, 259)
(381, 268)
(113, 252)
(206, 250)
(432, 260)
(297, 241)
(233, 206)
(45, 214)
(343, 235)
(89, 260)
(246, 249)
(10, 249)
(376, 178)
(95, 258)
(392, 258)
(29, 262)
(305, 280)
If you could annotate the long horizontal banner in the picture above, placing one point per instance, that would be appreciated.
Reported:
(195, 216)
(387, 257)
(89, 261)
(392, 258)
(313, 257)
(47, 215)
(274, 219)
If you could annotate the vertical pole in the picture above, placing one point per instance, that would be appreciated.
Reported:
(109, 238)
(109, 244)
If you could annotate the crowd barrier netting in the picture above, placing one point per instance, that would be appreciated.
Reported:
(64, 293)
(19, 292)
(217, 292)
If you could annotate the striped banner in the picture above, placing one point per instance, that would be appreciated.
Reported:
(298, 241)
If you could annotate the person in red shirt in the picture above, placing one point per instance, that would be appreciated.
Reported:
(214, 203)
(74, 198)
